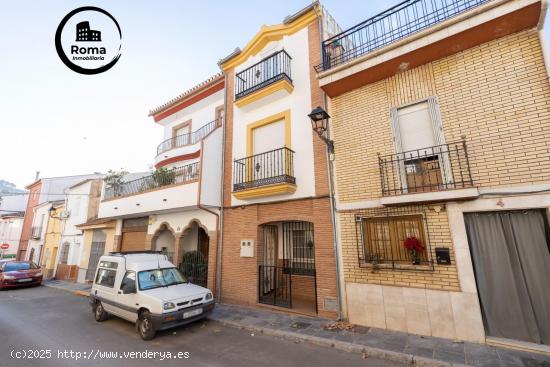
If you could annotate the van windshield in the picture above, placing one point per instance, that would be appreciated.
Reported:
(156, 278)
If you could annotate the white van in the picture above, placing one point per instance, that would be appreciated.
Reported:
(148, 290)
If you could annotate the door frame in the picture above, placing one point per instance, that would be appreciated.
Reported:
(474, 330)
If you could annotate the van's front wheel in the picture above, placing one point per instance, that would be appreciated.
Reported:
(99, 312)
(145, 326)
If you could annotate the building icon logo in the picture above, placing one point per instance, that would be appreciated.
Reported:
(85, 50)
(85, 34)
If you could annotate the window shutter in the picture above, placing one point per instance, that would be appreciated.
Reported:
(397, 143)
(439, 137)
(435, 116)
(396, 131)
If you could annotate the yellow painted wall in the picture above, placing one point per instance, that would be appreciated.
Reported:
(52, 240)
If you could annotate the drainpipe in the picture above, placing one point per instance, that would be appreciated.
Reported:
(220, 241)
(333, 214)
(542, 36)
(199, 205)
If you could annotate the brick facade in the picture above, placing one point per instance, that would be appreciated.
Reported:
(239, 275)
(495, 94)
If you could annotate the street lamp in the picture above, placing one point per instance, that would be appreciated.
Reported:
(319, 123)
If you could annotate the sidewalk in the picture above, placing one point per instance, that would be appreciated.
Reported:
(370, 342)
(65, 285)
(384, 344)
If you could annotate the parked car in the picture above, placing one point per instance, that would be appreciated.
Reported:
(148, 290)
(15, 274)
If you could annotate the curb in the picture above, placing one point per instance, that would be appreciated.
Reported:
(77, 292)
(345, 346)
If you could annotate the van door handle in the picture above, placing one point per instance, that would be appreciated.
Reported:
(119, 292)
(137, 304)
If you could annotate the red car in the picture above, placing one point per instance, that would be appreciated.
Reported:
(19, 274)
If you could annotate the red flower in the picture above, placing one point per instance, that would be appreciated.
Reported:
(413, 244)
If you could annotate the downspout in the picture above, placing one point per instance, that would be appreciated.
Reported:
(542, 37)
(220, 242)
(206, 209)
(336, 246)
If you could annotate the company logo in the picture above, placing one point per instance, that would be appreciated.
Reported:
(86, 50)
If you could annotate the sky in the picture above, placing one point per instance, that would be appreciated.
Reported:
(61, 123)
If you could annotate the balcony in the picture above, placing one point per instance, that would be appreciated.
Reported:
(267, 76)
(392, 25)
(264, 174)
(188, 139)
(435, 173)
(36, 233)
(175, 176)
(172, 189)
(415, 33)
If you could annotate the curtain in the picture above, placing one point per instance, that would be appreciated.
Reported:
(511, 257)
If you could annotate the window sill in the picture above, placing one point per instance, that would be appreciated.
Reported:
(403, 267)
(280, 85)
(270, 190)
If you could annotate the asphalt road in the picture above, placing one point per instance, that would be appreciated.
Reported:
(48, 324)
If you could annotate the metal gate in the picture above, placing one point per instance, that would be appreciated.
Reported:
(96, 252)
(296, 258)
(195, 268)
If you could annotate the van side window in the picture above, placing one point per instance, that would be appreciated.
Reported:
(106, 277)
(128, 280)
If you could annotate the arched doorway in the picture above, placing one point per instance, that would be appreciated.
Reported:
(165, 241)
(194, 249)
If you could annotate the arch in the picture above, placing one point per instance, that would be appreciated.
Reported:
(165, 239)
(190, 224)
(165, 226)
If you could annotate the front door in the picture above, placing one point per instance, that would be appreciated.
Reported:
(511, 256)
(96, 251)
(127, 304)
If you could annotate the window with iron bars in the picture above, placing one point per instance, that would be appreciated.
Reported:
(383, 233)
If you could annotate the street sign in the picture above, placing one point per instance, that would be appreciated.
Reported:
(4, 246)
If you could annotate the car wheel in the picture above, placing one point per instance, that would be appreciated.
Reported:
(145, 326)
(99, 312)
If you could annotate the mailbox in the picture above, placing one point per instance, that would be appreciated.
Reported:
(443, 256)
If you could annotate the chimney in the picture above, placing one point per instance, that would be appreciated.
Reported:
(37, 176)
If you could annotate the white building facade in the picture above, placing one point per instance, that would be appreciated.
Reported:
(175, 208)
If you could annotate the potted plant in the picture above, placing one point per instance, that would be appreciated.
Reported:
(415, 248)
(163, 177)
(114, 181)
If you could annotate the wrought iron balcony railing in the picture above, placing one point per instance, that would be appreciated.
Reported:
(275, 166)
(265, 72)
(394, 24)
(36, 232)
(437, 168)
(179, 175)
(188, 139)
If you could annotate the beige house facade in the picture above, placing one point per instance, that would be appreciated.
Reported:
(442, 172)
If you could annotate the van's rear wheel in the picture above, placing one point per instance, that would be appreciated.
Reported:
(99, 312)
(145, 326)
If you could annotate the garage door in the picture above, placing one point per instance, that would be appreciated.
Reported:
(134, 241)
(511, 256)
